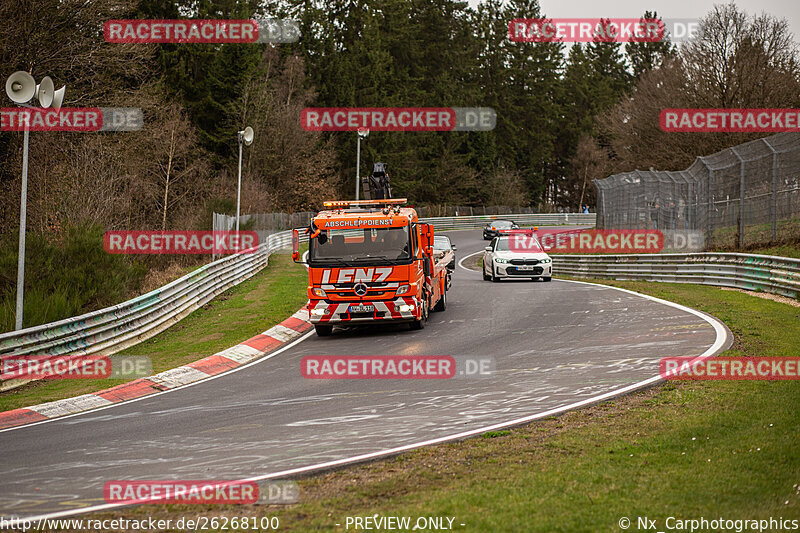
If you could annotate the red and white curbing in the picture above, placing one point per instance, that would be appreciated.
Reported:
(242, 353)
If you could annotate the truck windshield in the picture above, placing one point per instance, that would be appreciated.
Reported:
(360, 245)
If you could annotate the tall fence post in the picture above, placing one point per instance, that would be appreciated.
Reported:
(740, 235)
(710, 208)
(773, 208)
(774, 195)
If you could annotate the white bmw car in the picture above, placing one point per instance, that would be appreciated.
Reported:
(519, 255)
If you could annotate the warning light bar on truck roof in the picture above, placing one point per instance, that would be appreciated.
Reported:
(344, 204)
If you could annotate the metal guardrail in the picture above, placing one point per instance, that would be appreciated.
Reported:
(767, 273)
(107, 331)
(535, 219)
(112, 329)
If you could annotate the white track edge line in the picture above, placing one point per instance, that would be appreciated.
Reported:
(128, 402)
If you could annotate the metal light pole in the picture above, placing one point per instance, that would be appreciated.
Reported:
(362, 134)
(246, 136)
(23, 211)
(21, 88)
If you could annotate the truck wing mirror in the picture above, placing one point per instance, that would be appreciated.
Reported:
(295, 245)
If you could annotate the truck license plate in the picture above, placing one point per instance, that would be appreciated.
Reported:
(362, 308)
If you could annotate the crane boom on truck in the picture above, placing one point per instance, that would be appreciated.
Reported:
(371, 261)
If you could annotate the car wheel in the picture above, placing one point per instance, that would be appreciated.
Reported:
(547, 278)
(486, 277)
(441, 305)
(323, 331)
(495, 279)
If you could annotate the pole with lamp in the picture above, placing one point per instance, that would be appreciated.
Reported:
(21, 88)
(246, 137)
(362, 134)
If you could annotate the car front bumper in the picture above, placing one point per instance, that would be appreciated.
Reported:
(506, 270)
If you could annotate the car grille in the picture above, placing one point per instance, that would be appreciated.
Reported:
(524, 261)
(511, 271)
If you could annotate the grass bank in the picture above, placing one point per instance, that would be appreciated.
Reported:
(236, 315)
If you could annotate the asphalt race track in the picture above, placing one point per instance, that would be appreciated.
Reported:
(554, 345)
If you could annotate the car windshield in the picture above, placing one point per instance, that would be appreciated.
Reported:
(521, 243)
(360, 245)
(502, 224)
(441, 244)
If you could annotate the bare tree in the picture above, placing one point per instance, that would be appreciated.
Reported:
(738, 61)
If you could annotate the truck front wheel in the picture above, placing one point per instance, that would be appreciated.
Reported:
(323, 331)
(423, 317)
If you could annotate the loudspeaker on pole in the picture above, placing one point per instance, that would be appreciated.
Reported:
(45, 92)
(58, 97)
(20, 87)
(248, 135)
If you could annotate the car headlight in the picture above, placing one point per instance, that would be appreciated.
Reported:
(548, 260)
(403, 289)
(500, 260)
(319, 293)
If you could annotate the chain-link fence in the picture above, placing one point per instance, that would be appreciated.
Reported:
(267, 223)
(744, 195)
(470, 211)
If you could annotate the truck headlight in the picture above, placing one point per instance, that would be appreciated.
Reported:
(500, 260)
(318, 293)
(403, 289)
(404, 308)
(318, 311)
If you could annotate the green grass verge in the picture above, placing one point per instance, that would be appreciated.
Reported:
(681, 449)
(781, 250)
(236, 315)
(757, 234)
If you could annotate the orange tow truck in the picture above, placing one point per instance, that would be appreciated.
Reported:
(371, 261)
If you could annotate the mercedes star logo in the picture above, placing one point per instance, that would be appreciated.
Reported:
(360, 288)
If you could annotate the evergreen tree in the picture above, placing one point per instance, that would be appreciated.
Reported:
(646, 55)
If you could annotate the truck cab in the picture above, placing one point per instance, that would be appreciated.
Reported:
(370, 261)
